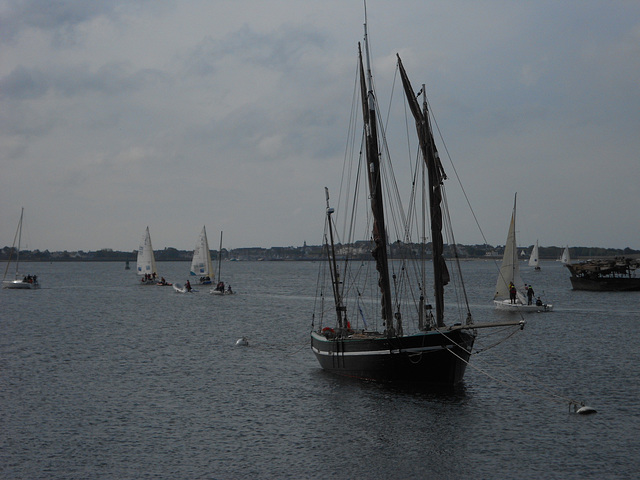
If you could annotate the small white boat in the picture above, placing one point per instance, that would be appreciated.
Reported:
(27, 282)
(179, 288)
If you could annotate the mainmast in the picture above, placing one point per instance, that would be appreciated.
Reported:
(436, 176)
(19, 241)
(375, 191)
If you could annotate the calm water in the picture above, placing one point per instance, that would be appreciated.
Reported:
(102, 378)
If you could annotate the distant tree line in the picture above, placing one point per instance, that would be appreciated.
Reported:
(359, 250)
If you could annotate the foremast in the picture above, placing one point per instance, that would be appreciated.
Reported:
(436, 176)
(379, 233)
(341, 310)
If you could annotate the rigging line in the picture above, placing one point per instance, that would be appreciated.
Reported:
(508, 365)
(388, 176)
(506, 384)
(449, 233)
(552, 395)
(14, 245)
(350, 233)
(495, 344)
(300, 345)
(455, 171)
(350, 145)
(387, 166)
(415, 169)
(532, 380)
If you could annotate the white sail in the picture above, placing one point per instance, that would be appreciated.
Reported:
(146, 261)
(566, 258)
(201, 262)
(510, 269)
(533, 259)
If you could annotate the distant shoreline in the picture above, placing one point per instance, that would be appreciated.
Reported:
(357, 251)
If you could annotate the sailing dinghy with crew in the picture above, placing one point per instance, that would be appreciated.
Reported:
(201, 262)
(511, 291)
(146, 263)
(221, 288)
(19, 281)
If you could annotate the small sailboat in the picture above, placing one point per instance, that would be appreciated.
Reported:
(201, 262)
(375, 322)
(220, 288)
(19, 282)
(510, 289)
(565, 259)
(534, 261)
(186, 288)
(146, 262)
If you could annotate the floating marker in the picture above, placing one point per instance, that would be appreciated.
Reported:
(242, 342)
(585, 410)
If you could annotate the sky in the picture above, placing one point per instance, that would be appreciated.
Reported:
(118, 115)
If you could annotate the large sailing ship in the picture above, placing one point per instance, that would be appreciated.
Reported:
(373, 319)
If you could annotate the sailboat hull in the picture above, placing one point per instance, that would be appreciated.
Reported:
(506, 305)
(19, 285)
(430, 358)
(606, 284)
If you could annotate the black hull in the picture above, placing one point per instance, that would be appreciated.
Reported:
(430, 358)
(606, 284)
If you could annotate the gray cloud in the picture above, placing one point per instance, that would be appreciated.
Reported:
(127, 114)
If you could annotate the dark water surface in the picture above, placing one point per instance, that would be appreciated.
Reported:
(102, 378)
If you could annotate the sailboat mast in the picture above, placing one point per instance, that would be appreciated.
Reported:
(514, 252)
(436, 177)
(19, 241)
(375, 192)
(333, 268)
(220, 256)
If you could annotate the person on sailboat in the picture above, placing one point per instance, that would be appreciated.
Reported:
(229, 289)
(187, 286)
(530, 295)
(512, 292)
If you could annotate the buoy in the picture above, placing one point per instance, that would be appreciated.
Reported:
(242, 342)
(585, 410)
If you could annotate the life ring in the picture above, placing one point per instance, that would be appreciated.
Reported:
(328, 330)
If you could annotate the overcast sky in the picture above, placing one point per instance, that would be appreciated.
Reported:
(115, 115)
